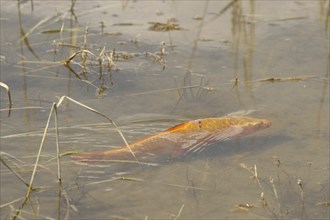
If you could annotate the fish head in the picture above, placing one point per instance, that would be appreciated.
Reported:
(195, 135)
(250, 125)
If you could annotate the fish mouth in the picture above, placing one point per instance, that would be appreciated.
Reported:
(263, 124)
(266, 123)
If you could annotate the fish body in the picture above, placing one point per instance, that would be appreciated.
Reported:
(192, 136)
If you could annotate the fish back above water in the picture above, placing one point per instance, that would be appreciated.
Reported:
(181, 139)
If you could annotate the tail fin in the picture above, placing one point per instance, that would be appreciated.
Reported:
(89, 156)
(115, 155)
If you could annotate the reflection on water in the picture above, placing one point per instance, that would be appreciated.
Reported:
(228, 56)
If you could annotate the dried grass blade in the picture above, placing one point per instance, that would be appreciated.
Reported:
(13, 171)
(11, 202)
(27, 43)
(58, 155)
(103, 115)
(179, 213)
(35, 167)
(35, 27)
(6, 87)
(226, 7)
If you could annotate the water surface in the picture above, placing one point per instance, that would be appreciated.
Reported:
(277, 53)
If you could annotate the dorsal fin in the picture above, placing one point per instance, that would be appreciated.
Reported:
(178, 127)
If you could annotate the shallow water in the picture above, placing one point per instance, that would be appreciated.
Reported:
(279, 54)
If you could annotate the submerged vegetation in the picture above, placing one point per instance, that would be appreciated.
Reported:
(90, 55)
(282, 196)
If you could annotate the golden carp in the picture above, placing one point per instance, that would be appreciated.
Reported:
(181, 139)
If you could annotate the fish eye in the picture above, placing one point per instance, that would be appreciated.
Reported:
(199, 124)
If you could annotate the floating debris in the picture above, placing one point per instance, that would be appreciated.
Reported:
(325, 204)
(242, 208)
(170, 25)
(197, 18)
(124, 24)
(294, 78)
(60, 30)
(112, 33)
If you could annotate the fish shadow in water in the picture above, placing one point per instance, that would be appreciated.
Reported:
(240, 146)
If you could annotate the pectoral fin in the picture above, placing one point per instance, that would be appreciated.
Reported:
(197, 142)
